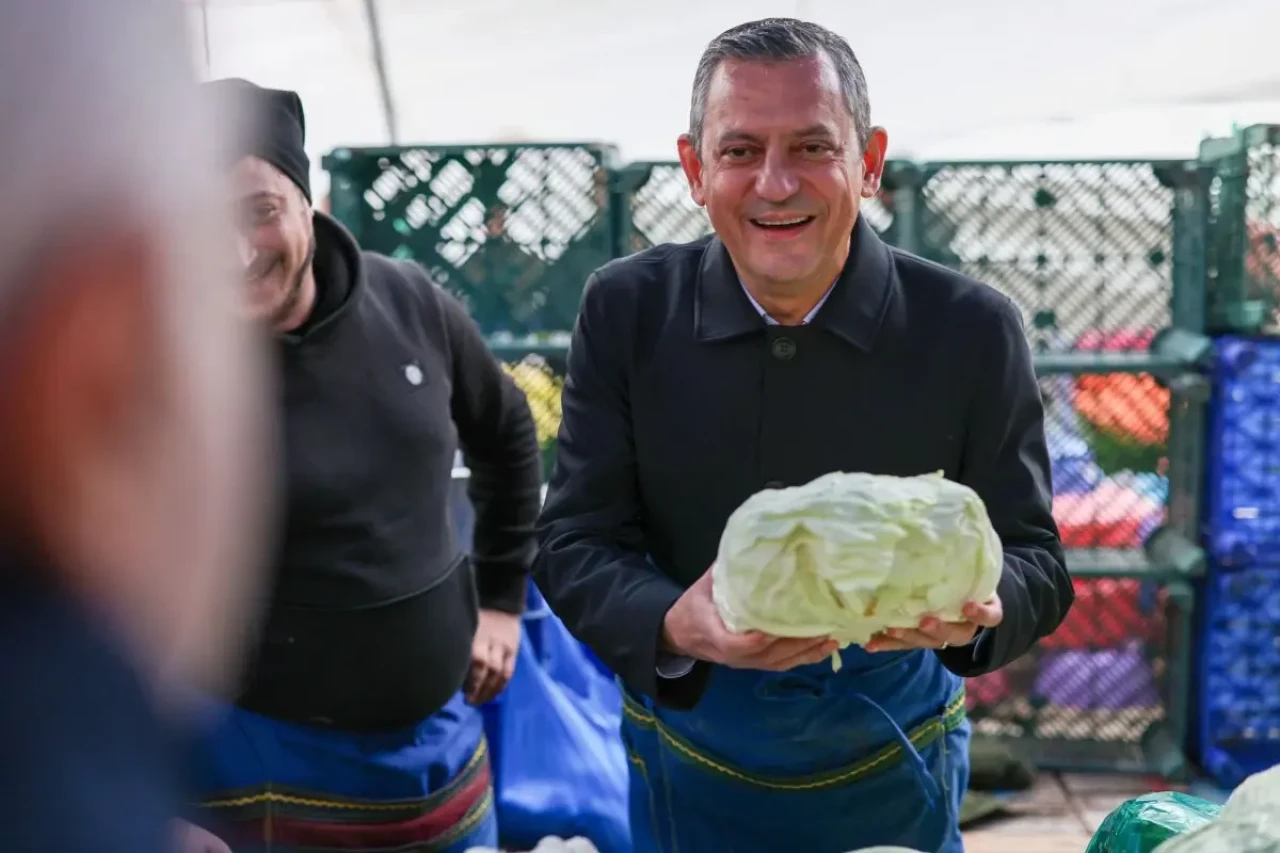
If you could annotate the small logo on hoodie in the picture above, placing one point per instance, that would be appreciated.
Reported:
(413, 373)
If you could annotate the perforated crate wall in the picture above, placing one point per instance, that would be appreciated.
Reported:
(513, 231)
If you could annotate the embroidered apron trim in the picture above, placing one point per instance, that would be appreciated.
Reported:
(952, 717)
(313, 821)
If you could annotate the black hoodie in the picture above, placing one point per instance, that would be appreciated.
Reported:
(374, 601)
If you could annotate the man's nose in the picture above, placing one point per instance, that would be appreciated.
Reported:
(776, 181)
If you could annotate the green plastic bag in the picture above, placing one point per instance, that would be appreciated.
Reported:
(1144, 823)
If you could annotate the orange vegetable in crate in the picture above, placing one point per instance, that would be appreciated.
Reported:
(1124, 405)
(1131, 406)
(1107, 613)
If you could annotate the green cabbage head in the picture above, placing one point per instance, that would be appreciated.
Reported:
(849, 555)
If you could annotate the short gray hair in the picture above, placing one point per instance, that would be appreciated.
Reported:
(782, 40)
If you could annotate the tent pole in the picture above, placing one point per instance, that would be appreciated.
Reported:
(204, 35)
(380, 67)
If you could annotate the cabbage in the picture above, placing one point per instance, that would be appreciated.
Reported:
(1252, 833)
(551, 844)
(849, 555)
(1260, 793)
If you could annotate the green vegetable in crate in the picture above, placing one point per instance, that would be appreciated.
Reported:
(850, 555)
(1144, 823)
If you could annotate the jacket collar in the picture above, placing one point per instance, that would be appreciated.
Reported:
(854, 308)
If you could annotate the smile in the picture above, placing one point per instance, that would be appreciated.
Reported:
(783, 226)
(260, 269)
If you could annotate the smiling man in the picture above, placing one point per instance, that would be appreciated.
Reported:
(382, 633)
(791, 344)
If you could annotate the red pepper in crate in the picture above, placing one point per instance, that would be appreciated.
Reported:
(987, 690)
(1108, 612)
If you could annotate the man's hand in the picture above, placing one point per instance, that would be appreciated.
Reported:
(936, 634)
(493, 655)
(693, 628)
(192, 839)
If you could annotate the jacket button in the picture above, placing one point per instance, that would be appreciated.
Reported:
(774, 484)
(784, 348)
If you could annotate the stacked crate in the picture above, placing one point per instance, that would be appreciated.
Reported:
(1101, 258)
(513, 231)
(1238, 670)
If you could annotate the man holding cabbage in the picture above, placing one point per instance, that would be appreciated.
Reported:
(852, 436)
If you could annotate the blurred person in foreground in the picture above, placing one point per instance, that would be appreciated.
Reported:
(380, 639)
(792, 343)
(131, 427)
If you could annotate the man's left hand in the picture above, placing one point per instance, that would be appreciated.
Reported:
(933, 633)
(493, 655)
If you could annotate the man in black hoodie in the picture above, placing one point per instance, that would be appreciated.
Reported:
(382, 634)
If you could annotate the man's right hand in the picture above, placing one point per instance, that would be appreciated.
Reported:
(693, 628)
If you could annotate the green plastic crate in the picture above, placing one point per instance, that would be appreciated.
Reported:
(1087, 249)
(512, 230)
(1244, 238)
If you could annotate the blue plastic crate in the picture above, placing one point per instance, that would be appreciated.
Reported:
(1239, 673)
(1243, 507)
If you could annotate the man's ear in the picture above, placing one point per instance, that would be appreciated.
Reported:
(691, 162)
(81, 358)
(874, 156)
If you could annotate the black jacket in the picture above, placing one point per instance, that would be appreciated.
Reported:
(680, 403)
(373, 604)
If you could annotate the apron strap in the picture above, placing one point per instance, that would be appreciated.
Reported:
(932, 790)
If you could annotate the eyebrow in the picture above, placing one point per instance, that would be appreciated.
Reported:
(260, 195)
(745, 136)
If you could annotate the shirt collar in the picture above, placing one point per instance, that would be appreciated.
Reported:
(772, 322)
(853, 309)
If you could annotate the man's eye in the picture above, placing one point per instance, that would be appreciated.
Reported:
(737, 153)
(262, 214)
(817, 148)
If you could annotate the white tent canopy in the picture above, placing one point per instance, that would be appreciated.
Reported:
(984, 78)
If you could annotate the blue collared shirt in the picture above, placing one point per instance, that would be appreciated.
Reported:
(772, 322)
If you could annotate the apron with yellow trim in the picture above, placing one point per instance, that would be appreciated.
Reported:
(810, 759)
(267, 786)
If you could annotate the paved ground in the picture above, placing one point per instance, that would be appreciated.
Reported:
(1059, 815)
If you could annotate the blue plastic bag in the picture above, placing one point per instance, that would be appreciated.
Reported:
(559, 766)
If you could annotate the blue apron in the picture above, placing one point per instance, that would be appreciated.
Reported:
(811, 759)
(267, 786)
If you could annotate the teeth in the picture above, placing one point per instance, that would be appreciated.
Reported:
(783, 222)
